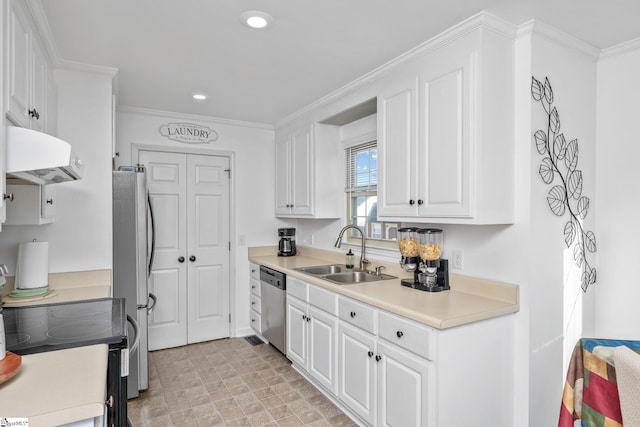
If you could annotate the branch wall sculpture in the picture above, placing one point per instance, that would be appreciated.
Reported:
(560, 160)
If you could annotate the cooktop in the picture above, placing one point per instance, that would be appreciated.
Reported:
(48, 327)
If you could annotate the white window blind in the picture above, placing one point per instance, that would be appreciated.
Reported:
(361, 167)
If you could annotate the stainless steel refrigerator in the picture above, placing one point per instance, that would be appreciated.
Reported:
(133, 247)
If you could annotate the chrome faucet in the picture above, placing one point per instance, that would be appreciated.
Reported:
(363, 260)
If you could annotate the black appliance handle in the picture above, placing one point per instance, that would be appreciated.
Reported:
(136, 334)
(154, 300)
(153, 234)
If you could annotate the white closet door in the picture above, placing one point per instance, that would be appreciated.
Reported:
(208, 247)
(167, 184)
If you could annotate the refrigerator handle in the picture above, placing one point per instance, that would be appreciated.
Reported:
(136, 332)
(154, 300)
(153, 235)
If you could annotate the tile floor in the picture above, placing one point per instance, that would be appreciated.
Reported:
(229, 382)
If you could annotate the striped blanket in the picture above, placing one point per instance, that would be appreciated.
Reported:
(591, 391)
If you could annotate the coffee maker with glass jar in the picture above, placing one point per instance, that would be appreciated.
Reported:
(421, 250)
(287, 243)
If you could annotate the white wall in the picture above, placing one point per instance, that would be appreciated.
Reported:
(80, 238)
(618, 193)
(252, 184)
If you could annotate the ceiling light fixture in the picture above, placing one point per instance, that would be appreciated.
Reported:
(256, 19)
(199, 96)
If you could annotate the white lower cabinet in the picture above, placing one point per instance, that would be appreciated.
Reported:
(255, 304)
(312, 336)
(356, 371)
(380, 382)
(386, 370)
(404, 387)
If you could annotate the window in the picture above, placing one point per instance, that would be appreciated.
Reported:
(362, 197)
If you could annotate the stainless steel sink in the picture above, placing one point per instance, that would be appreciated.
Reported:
(320, 270)
(356, 277)
(342, 275)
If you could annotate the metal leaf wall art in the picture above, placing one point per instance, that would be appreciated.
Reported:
(560, 160)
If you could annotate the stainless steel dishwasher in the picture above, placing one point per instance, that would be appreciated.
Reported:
(273, 285)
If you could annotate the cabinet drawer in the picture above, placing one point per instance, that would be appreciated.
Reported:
(323, 299)
(255, 286)
(256, 321)
(297, 288)
(357, 314)
(254, 271)
(407, 334)
(255, 303)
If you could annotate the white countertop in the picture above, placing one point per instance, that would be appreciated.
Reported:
(73, 286)
(64, 386)
(57, 387)
(469, 300)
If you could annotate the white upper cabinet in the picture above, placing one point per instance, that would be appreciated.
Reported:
(31, 204)
(308, 172)
(28, 73)
(294, 173)
(445, 134)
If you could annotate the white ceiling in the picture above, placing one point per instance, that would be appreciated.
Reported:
(165, 50)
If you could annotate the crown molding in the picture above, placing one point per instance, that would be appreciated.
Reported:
(65, 64)
(46, 35)
(620, 49)
(542, 30)
(194, 117)
(44, 30)
(480, 20)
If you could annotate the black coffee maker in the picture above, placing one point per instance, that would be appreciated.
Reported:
(287, 244)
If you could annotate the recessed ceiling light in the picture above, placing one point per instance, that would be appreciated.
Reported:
(256, 19)
(199, 96)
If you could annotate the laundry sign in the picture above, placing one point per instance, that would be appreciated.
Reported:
(189, 133)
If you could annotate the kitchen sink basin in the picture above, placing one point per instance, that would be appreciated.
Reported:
(342, 275)
(356, 277)
(320, 270)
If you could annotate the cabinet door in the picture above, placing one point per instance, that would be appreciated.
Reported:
(444, 151)
(18, 58)
(302, 172)
(357, 375)
(297, 331)
(39, 81)
(323, 342)
(48, 202)
(51, 111)
(405, 388)
(283, 192)
(397, 130)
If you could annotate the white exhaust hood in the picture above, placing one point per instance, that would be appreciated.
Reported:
(40, 158)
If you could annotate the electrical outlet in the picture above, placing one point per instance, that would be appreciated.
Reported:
(457, 259)
(311, 239)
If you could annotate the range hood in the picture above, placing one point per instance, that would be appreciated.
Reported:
(40, 158)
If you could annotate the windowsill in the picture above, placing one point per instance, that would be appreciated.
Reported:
(374, 252)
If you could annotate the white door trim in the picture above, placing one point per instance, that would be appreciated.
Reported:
(136, 148)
